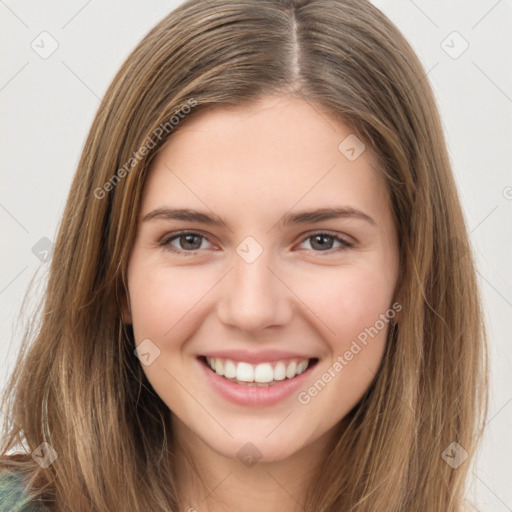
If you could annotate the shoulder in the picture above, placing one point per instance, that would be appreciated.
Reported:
(13, 494)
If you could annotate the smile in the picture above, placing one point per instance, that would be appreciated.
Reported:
(263, 384)
(263, 374)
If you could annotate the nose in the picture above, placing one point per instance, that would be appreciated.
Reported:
(253, 297)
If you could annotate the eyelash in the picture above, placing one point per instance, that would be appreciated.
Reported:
(166, 243)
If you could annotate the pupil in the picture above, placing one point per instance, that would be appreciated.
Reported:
(189, 239)
(321, 237)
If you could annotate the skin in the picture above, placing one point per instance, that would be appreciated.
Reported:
(250, 165)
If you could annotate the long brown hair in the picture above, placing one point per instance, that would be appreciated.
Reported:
(79, 386)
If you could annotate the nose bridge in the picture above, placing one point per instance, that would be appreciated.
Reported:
(253, 297)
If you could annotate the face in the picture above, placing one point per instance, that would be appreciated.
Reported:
(257, 287)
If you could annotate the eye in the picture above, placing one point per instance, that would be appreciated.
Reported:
(324, 242)
(186, 241)
(189, 242)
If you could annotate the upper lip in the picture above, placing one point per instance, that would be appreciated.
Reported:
(261, 356)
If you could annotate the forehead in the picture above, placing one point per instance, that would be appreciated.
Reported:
(270, 154)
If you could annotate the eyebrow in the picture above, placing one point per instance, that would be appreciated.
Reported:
(303, 217)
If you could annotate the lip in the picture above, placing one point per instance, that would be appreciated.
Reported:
(262, 356)
(253, 395)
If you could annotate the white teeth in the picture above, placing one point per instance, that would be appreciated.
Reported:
(258, 374)
(280, 371)
(302, 367)
(230, 370)
(263, 373)
(244, 372)
(290, 370)
(219, 367)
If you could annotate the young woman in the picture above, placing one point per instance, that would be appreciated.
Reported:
(262, 294)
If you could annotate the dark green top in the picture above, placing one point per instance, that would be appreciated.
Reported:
(13, 494)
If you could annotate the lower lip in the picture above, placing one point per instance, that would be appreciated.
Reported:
(254, 395)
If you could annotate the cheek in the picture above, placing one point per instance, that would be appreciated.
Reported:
(348, 300)
(352, 306)
(163, 300)
(165, 308)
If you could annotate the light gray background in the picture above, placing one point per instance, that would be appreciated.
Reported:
(47, 106)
